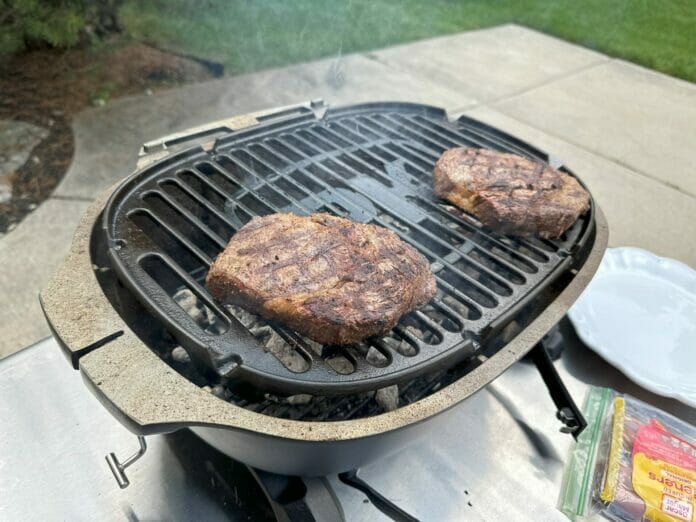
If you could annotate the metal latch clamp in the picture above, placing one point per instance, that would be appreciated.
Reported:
(119, 468)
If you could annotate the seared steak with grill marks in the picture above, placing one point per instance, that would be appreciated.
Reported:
(509, 193)
(329, 278)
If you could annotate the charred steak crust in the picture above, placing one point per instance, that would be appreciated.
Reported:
(329, 278)
(509, 193)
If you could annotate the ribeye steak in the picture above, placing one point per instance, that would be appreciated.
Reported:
(509, 193)
(329, 278)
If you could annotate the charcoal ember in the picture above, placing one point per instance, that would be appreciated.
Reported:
(388, 398)
(271, 397)
(394, 222)
(341, 365)
(405, 348)
(376, 358)
(200, 313)
(458, 307)
(436, 267)
(187, 300)
(400, 345)
(433, 313)
(246, 318)
(415, 331)
(391, 342)
(215, 325)
(180, 355)
(275, 344)
(220, 392)
(439, 317)
(297, 400)
(314, 346)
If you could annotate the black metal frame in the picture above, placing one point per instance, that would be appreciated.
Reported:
(380, 157)
(567, 411)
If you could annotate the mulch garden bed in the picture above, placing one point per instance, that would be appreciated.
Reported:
(47, 87)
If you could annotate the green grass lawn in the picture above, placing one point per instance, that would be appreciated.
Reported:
(247, 35)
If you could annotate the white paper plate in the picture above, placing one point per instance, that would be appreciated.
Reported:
(639, 313)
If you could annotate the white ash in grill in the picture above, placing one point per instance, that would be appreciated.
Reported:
(388, 398)
(198, 311)
(246, 318)
(340, 364)
(393, 222)
(221, 392)
(400, 345)
(376, 358)
(298, 406)
(419, 331)
(180, 355)
(455, 305)
(436, 267)
(274, 343)
(299, 399)
(314, 346)
(439, 317)
(415, 331)
(309, 407)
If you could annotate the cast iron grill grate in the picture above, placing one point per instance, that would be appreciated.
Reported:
(371, 163)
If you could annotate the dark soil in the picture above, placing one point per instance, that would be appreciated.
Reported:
(48, 86)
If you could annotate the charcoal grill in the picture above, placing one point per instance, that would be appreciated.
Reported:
(371, 163)
(113, 304)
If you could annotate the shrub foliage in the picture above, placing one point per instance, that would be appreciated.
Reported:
(55, 23)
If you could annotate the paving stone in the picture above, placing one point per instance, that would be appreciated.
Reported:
(28, 256)
(491, 63)
(637, 117)
(17, 139)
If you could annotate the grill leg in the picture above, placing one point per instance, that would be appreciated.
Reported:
(568, 412)
(294, 499)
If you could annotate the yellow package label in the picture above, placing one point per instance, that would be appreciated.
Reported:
(664, 474)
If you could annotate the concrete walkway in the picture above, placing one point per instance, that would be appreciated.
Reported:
(630, 133)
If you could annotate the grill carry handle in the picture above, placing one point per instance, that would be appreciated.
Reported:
(160, 148)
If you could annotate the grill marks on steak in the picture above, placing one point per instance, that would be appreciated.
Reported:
(331, 279)
(509, 193)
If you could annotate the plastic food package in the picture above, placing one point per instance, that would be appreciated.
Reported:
(632, 462)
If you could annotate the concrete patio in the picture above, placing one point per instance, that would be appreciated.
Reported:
(630, 133)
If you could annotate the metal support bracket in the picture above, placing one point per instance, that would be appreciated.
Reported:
(118, 468)
(568, 412)
(382, 503)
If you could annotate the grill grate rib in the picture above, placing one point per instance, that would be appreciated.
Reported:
(372, 164)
